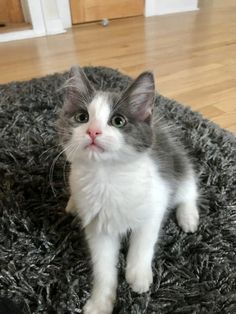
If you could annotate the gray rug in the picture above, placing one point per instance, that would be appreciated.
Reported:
(44, 262)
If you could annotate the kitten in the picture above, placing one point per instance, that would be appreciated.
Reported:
(125, 172)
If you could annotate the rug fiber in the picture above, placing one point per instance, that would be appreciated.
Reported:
(44, 261)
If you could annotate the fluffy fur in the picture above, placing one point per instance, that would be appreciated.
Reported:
(45, 263)
(123, 178)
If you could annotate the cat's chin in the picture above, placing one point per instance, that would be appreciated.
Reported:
(94, 152)
(99, 155)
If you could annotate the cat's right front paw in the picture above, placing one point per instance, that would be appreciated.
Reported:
(94, 306)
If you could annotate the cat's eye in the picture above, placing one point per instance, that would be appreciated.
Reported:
(118, 121)
(81, 117)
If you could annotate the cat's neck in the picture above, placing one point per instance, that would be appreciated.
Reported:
(137, 160)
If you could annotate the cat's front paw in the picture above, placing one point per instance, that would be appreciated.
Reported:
(140, 278)
(95, 306)
(188, 218)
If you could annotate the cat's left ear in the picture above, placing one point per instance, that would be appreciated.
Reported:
(140, 96)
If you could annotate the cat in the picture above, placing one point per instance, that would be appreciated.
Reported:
(126, 171)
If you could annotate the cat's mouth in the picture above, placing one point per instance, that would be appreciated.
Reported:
(95, 147)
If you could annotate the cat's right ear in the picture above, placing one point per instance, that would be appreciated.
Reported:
(78, 90)
(79, 82)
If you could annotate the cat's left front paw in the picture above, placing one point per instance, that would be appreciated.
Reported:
(188, 218)
(139, 278)
(95, 306)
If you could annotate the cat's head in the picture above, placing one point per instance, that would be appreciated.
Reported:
(97, 125)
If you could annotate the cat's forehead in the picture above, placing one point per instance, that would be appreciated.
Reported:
(102, 105)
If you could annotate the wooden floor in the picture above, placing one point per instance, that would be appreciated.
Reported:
(14, 27)
(193, 55)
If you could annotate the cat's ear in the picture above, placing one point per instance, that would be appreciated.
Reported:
(140, 96)
(78, 89)
(79, 81)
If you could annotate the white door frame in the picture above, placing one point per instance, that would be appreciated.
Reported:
(64, 13)
(35, 11)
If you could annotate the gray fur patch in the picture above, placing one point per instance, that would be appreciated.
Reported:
(169, 154)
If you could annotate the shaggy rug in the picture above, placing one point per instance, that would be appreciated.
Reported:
(44, 261)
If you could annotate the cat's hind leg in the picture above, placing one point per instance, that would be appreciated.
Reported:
(71, 207)
(186, 199)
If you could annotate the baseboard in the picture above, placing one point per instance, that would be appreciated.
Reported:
(19, 35)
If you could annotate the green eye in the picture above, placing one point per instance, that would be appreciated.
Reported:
(118, 121)
(81, 117)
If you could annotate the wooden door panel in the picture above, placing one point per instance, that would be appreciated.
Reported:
(11, 11)
(94, 10)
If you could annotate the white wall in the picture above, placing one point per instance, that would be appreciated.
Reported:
(159, 7)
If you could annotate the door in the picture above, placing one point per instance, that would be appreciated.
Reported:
(83, 11)
(11, 12)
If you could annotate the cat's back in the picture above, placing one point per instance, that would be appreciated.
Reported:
(169, 153)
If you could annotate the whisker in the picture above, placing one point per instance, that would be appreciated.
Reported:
(53, 166)
(64, 172)
(47, 150)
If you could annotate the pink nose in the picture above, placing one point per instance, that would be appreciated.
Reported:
(93, 133)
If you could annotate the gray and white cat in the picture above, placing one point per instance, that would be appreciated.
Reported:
(126, 171)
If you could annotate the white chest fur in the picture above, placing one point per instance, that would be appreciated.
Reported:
(116, 197)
